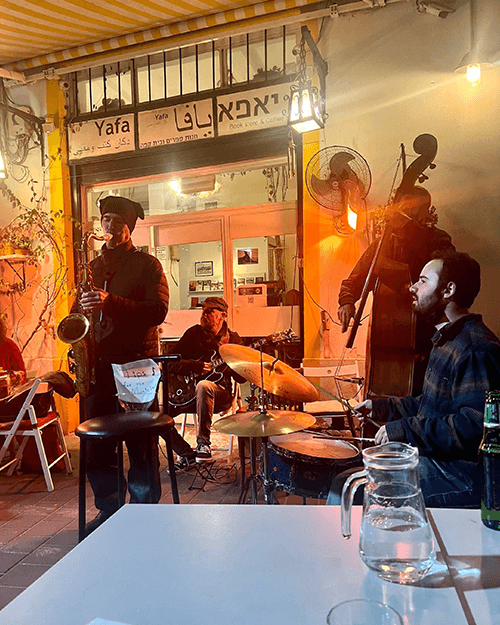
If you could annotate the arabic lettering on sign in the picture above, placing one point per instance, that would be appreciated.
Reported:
(252, 110)
(101, 136)
(176, 124)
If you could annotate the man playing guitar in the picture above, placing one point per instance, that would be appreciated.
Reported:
(199, 347)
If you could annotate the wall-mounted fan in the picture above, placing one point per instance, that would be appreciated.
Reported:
(338, 177)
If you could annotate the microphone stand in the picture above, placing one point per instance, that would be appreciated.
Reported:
(164, 362)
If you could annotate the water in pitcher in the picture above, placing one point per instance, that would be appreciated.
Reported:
(397, 546)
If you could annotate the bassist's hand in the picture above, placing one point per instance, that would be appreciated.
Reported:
(345, 314)
(206, 368)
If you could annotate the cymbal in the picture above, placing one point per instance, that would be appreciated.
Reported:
(275, 377)
(268, 423)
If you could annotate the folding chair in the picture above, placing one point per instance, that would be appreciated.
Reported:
(236, 404)
(26, 424)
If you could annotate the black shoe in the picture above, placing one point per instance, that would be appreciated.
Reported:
(184, 463)
(97, 521)
(203, 453)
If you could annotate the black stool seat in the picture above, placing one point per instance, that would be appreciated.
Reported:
(122, 424)
(119, 427)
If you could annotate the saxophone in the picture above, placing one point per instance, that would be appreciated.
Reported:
(76, 328)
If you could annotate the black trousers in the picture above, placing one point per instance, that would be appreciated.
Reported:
(143, 477)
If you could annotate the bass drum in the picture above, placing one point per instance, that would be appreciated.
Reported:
(304, 463)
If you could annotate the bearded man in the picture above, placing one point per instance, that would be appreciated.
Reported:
(445, 422)
(199, 348)
(127, 304)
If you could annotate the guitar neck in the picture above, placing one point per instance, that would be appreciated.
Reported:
(218, 361)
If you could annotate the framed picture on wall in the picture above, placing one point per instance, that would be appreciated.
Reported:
(204, 268)
(248, 256)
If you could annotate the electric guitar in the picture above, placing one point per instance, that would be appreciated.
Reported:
(182, 388)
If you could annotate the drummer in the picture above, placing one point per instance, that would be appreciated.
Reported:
(446, 422)
(198, 346)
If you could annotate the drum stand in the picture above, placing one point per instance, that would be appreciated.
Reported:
(255, 479)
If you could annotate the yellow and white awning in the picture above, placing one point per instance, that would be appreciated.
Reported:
(41, 33)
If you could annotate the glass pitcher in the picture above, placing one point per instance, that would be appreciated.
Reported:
(395, 539)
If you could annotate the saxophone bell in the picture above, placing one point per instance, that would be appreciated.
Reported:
(76, 328)
(73, 328)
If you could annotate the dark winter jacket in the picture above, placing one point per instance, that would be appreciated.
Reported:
(136, 305)
(197, 346)
(415, 248)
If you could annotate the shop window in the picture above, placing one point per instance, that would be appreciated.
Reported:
(193, 192)
(264, 271)
(194, 272)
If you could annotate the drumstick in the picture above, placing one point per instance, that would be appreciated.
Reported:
(347, 438)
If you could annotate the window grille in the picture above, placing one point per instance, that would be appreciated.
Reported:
(251, 59)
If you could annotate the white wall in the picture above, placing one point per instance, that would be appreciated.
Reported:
(29, 184)
(390, 79)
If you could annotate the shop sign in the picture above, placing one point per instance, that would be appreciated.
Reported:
(176, 124)
(252, 110)
(110, 135)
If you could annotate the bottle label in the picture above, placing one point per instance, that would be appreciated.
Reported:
(491, 414)
(489, 515)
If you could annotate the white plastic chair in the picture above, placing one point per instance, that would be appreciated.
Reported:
(26, 424)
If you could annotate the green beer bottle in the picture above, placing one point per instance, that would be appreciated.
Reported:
(489, 458)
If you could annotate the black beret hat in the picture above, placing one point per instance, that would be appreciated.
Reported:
(128, 209)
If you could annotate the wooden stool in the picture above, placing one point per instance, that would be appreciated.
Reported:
(118, 427)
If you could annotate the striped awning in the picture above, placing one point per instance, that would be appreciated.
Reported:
(41, 33)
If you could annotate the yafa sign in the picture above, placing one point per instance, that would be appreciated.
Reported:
(252, 110)
(176, 124)
(98, 137)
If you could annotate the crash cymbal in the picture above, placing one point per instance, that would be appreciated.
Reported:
(267, 423)
(275, 376)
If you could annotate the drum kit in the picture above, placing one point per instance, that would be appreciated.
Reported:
(293, 454)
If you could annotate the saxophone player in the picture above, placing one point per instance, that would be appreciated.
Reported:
(128, 302)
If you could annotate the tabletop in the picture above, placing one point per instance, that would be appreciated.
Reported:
(472, 552)
(251, 565)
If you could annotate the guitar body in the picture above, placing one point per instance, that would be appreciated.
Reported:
(182, 388)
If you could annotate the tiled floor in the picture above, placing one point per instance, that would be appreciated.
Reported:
(37, 528)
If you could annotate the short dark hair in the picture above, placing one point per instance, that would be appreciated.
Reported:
(465, 272)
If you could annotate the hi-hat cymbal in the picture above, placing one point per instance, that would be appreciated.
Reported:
(275, 376)
(268, 423)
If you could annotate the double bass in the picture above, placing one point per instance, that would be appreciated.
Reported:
(391, 357)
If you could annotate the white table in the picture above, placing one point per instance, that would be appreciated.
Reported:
(237, 565)
(472, 552)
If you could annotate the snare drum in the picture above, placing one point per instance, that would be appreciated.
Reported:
(304, 464)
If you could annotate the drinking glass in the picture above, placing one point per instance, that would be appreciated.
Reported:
(363, 612)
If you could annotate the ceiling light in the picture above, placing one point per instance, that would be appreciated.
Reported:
(474, 61)
(199, 185)
(471, 65)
